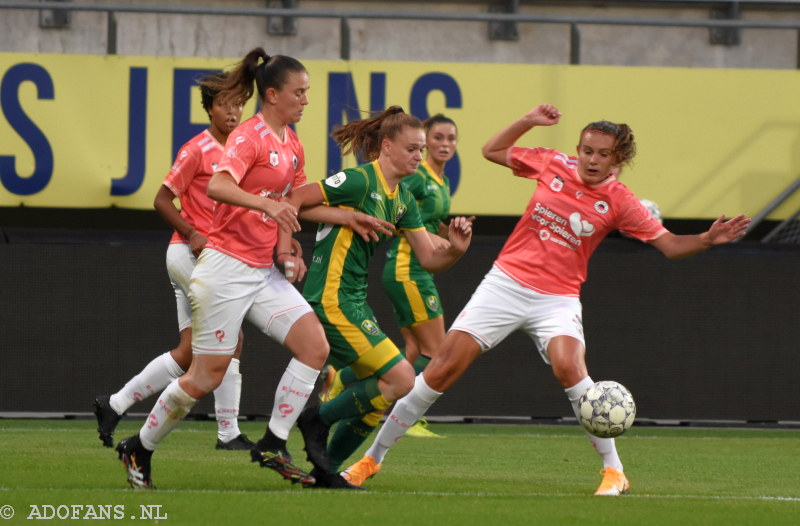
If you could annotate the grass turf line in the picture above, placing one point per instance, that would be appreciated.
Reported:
(479, 474)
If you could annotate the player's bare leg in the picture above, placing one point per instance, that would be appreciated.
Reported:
(451, 361)
(567, 355)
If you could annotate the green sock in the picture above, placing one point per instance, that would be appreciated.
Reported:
(347, 376)
(364, 397)
(347, 438)
(421, 363)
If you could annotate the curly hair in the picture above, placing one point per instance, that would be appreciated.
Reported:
(624, 143)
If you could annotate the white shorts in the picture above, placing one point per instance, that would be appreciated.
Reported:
(500, 306)
(180, 264)
(223, 291)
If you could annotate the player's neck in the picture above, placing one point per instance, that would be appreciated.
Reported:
(275, 124)
(221, 137)
(389, 174)
(435, 166)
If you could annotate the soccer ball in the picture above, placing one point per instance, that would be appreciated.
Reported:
(654, 210)
(607, 409)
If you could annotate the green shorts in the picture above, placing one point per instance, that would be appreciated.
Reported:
(414, 302)
(356, 340)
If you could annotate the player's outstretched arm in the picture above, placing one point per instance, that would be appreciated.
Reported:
(309, 200)
(496, 148)
(433, 260)
(721, 232)
(223, 188)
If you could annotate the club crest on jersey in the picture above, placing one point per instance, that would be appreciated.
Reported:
(369, 327)
(557, 184)
(432, 303)
(232, 152)
(401, 211)
(294, 162)
(601, 207)
(336, 180)
(273, 158)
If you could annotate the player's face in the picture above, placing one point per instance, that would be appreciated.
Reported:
(441, 142)
(292, 99)
(595, 157)
(405, 151)
(224, 116)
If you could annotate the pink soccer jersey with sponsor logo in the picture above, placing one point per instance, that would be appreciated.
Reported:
(188, 180)
(565, 221)
(263, 165)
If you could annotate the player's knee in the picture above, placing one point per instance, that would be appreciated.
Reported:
(405, 381)
(182, 354)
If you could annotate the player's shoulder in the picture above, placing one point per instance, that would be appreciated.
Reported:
(254, 127)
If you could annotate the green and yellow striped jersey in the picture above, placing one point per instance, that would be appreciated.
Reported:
(433, 199)
(338, 271)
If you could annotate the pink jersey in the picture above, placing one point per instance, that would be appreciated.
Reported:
(565, 221)
(188, 179)
(263, 165)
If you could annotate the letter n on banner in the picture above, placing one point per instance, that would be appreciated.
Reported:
(342, 101)
(419, 107)
(137, 135)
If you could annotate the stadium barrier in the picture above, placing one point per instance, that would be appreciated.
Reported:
(706, 338)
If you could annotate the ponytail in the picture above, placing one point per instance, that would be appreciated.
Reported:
(364, 138)
(270, 72)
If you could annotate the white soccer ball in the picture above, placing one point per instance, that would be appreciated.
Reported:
(607, 409)
(654, 210)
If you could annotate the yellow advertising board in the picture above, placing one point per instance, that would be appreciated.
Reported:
(95, 131)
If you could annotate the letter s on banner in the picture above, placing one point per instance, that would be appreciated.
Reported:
(27, 130)
(452, 99)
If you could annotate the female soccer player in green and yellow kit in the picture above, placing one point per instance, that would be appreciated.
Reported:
(336, 283)
(411, 289)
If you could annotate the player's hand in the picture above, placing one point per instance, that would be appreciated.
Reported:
(544, 115)
(460, 233)
(722, 231)
(297, 250)
(282, 213)
(197, 242)
(369, 227)
(294, 268)
(439, 243)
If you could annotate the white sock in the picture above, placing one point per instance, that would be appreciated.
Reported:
(407, 411)
(293, 391)
(226, 403)
(172, 406)
(153, 378)
(604, 446)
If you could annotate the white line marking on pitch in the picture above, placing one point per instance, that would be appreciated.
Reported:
(414, 493)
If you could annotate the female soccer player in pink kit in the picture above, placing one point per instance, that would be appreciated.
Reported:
(187, 180)
(534, 285)
(235, 276)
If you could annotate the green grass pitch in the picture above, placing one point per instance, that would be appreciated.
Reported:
(479, 474)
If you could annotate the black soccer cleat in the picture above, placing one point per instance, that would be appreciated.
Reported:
(137, 462)
(280, 461)
(107, 419)
(325, 480)
(240, 443)
(315, 435)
